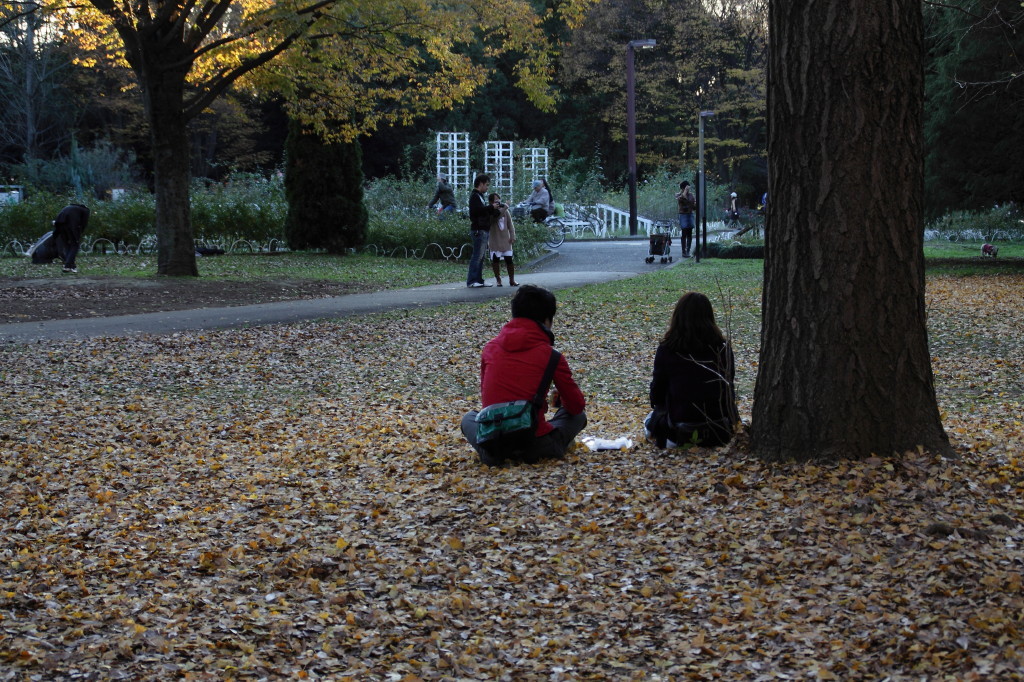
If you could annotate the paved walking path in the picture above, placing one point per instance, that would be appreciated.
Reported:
(576, 264)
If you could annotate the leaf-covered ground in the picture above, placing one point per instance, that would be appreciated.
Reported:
(297, 502)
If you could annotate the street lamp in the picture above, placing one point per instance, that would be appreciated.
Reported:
(702, 202)
(631, 124)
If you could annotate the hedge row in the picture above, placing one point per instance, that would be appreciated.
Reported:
(253, 209)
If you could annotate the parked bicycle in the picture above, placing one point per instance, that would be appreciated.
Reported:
(554, 226)
(556, 231)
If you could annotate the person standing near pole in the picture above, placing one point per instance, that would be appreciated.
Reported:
(687, 203)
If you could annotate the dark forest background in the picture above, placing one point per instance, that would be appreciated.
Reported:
(59, 119)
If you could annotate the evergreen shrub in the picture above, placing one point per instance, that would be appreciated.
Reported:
(251, 207)
(126, 220)
(997, 224)
(245, 206)
(656, 195)
(29, 219)
(730, 251)
(401, 224)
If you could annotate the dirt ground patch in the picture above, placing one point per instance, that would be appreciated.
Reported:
(61, 298)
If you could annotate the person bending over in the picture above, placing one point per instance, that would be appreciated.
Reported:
(445, 196)
(67, 232)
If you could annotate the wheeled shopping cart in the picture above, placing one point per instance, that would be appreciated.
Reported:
(661, 247)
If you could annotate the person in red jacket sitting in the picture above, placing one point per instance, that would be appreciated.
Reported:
(512, 365)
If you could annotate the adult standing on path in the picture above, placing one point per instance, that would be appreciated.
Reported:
(480, 214)
(687, 203)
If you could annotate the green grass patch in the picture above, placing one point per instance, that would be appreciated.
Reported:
(384, 272)
(956, 249)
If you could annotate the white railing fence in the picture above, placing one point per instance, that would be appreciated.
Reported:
(616, 220)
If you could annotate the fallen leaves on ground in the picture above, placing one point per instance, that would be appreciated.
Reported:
(297, 501)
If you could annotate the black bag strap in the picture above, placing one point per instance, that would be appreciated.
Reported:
(545, 382)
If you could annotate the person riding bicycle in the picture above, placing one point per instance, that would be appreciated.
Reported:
(444, 195)
(539, 203)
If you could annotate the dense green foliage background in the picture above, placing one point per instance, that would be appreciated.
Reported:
(58, 137)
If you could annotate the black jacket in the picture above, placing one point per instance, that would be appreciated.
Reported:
(480, 212)
(71, 223)
(445, 194)
(696, 387)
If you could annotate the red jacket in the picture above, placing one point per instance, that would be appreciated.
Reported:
(513, 362)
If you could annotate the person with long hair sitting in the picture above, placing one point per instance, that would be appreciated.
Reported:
(693, 393)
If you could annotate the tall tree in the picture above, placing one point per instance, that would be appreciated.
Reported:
(324, 185)
(704, 59)
(361, 61)
(974, 131)
(844, 368)
(35, 118)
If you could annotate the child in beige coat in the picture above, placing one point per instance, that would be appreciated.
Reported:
(500, 240)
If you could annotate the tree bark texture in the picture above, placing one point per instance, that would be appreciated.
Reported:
(164, 91)
(844, 368)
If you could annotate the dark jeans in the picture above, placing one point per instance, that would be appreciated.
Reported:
(687, 240)
(549, 446)
(708, 434)
(67, 249)
(686, 222)
(476, 262)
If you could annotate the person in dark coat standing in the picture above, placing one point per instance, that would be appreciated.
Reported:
(693, 393)
(687, 204)
(480, 214)
(67, 233)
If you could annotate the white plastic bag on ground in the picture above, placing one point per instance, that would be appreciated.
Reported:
(595, 444)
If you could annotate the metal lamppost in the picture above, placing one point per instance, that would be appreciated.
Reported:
(631, 124)
(702, 202)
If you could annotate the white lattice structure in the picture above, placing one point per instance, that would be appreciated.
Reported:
(453, 159)
(535, 163)
(499, 164)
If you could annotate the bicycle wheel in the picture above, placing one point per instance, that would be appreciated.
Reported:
(556, 233)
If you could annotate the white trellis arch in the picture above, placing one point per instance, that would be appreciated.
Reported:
(499, 164)
(535, 163)
(453, 159)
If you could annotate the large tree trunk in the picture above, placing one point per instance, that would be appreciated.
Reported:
(844, 367)
(176, 246)
(169, 130)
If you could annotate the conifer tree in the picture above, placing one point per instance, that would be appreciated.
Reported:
(324, 187)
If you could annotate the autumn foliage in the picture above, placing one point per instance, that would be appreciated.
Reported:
(296, 501)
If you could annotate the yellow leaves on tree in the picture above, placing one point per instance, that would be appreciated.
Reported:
(345, 67)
